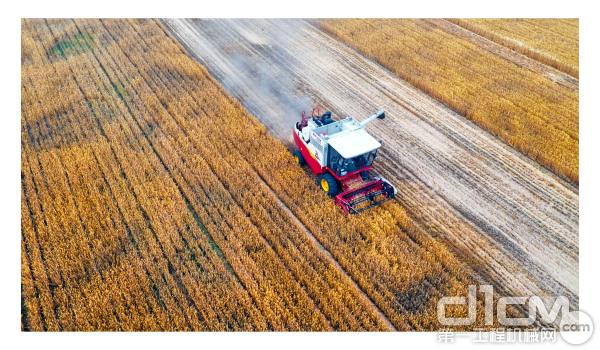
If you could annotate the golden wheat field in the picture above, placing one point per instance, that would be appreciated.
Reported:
(538, 114)
(142, 209)
(552, 41)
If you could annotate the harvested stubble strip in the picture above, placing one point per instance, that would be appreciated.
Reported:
(526, 110)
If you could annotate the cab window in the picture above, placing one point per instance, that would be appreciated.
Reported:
(342, 166)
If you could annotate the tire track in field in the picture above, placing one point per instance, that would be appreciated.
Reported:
(317, 244)
(517, 221)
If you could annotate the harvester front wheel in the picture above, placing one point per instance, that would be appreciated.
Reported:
(328, 184)
(298, 157)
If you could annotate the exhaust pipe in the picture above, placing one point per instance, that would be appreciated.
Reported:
(379, 115)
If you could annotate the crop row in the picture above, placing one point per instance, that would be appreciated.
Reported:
(552, 41)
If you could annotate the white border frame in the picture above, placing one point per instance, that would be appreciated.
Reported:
(10, 138)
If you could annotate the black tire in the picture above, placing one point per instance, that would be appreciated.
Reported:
(328, 184)
(298, 156)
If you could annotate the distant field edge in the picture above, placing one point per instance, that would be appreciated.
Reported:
(524, 49)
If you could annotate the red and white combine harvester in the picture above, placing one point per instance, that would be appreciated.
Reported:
(341, 154)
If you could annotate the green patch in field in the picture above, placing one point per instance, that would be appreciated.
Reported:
(119, 90)
(204, 230)
(192, 256)
(71, 46)
(158, 297)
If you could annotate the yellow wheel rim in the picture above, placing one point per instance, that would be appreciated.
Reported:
(297, 159)
(324, 185)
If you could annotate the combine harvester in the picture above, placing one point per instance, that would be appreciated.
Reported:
(341, 154)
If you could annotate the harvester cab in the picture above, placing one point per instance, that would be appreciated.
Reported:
(341, 154)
